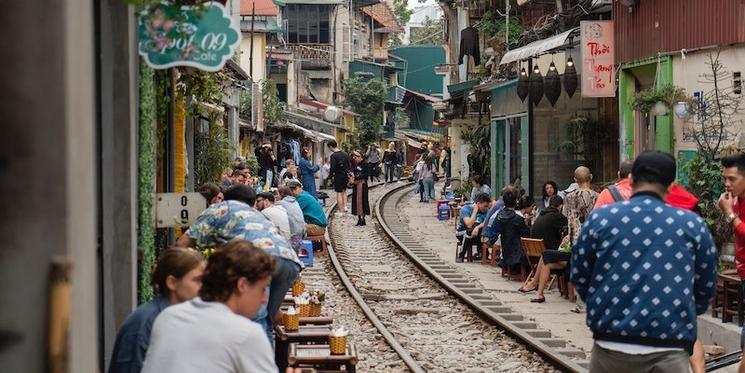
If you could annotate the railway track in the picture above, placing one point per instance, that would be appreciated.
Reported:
(434, 318)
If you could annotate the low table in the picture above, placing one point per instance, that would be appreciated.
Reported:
(320, 357)
(306, 334)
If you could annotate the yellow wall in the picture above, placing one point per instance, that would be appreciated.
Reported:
(259, 57)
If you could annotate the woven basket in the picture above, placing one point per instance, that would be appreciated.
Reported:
(292, 322)
(338, 345)
(304, 309)
(298, 288)
(315, 310)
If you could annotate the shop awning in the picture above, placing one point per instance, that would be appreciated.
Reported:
(539, 47)
(414, 143)
(316, 136)
(421, 135)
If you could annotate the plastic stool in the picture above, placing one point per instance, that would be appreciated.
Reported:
(306, 253)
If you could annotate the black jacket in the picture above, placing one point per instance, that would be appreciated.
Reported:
(469, 45)
(513, 228)
(549, 226)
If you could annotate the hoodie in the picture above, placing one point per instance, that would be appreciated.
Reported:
(513, 228)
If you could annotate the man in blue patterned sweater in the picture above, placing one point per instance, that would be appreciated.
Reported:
(646, 270)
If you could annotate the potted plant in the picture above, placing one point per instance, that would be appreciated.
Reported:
(658, 101)
(317, 297)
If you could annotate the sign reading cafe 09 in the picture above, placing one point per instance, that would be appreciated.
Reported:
(202, 36)
(598, 55)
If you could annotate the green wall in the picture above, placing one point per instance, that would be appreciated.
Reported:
(420, 67)
(664, 133)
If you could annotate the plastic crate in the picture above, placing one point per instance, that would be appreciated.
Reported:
(306, 253)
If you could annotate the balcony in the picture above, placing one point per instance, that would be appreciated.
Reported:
(319, 55)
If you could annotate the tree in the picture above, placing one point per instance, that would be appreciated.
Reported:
(715, 112)
(274, 109)
(430, 33)
(366, 97)
(402, 11)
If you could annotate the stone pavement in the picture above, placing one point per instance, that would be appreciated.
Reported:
(554, 315)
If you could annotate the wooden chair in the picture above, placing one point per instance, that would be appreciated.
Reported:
(533, 250)
(322, 240)
(469, 253)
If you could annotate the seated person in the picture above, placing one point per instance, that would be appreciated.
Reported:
(513, 228)
(214, 333)
(315, 217)
(470, 224)
(549, 226)
(176, 278)
(294, 214)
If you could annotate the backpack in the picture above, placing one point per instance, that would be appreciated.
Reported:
(615, 193)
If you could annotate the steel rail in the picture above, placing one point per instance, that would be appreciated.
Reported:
(402, 352)
(551, 355)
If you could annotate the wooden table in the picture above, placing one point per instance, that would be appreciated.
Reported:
(319, 356)
(306, 334)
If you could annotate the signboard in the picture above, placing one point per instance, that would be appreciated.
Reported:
(177, 209)
(598, 57)
(203, 36)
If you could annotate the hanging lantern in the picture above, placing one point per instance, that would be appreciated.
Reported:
(523, 85)
(536, 86)
(570, 78)
(552, 84)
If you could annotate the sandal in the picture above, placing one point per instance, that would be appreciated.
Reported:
(524, 290)
(538, 300)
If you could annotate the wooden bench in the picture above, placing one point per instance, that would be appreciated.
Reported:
(731, 297)
(320, 357)
(306, 334)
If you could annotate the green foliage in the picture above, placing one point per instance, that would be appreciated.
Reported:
(492, 26)
(274, 109)
(480, 152)
(669, 94)
(146, 181)
(204, 86)
(585, 137)
(213, 152)
(431, 32)
(245, 105)
(704, 180)
(253, 164)
(402, 118)
(366, 97)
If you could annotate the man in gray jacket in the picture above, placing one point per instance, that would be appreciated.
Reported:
(294, 213)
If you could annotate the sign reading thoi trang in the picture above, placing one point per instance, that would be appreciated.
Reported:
(203, 36)
(598, 55)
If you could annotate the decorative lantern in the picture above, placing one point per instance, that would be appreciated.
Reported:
(536, 86)
(552, 84)
(523, 85)
(570, 78)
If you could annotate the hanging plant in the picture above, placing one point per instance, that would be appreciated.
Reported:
(536, 86)
(213, 153)
(552, 85)
(650, 100)
(570, 78)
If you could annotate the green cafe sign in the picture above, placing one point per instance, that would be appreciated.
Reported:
(203, 37)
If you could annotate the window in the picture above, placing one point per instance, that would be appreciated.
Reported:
(307, 23)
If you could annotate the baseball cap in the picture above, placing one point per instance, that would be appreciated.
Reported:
(654, 166)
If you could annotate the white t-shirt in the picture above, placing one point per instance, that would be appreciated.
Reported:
(278, 216)
(199, 337)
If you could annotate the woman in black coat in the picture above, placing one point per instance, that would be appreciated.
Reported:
(360, 201)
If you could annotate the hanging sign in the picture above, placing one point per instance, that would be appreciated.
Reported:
(202, 36)
(598, 58)
(178, 209)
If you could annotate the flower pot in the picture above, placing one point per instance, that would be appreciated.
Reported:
(659, 109)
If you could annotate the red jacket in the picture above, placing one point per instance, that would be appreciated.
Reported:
(681, 198)
(739, 232)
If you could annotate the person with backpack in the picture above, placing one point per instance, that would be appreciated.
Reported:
(621, 190)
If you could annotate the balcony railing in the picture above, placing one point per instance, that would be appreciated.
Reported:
(312, 52)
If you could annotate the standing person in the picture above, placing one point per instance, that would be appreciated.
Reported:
(214, 333)
(418, 176)
(340, 164)
(325, 172)
(446, 163)
(308, 173)
(360, 200)
(400, 162)
(479, 186)
(373, 161)
(732, 204)
(276, 214)
(621, 190)
(294, 215)
(235, 218)
(426, 171)
(266, 159)
(550, 189)
(579, 202)
(645, 270)
(390, 161)
(176, 278)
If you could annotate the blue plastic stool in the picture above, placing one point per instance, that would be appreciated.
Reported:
(306, 253)
(443, 212)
